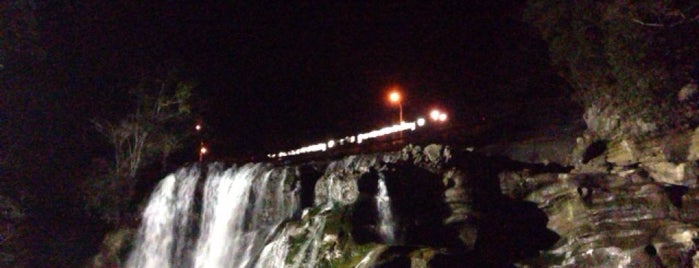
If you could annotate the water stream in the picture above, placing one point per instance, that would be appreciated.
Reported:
(386, 221)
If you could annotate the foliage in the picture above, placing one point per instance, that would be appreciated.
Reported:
(102, 197)
(114, 249)
(634, 55)
(155, 128)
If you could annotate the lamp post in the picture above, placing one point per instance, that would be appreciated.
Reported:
(395, 97)
(202, 149)
(202, 152)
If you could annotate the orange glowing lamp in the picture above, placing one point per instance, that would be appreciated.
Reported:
(394, 97)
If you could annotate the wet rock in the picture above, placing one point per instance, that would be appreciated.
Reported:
(623, 152)
(434, 153)
(517, 185)
(602, 119)
(605, 121)
(684, 174)
(610, 223)
(337, 187)
(339, 181)
(458, 196)
(411, 153)
(668, 148)
(432, 157)
(674, 244)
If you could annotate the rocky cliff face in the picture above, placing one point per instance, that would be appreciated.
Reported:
(626, 203)
(608, 203)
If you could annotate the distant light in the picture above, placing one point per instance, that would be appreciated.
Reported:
(420, 122)
(434, 115)
(331, 144)
(197, 127)
(437, 115)
(203, 150)
(394, 96)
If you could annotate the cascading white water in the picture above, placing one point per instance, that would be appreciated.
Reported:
(383, 204)
(161, 240)
(222, 236)
(240, 208)
(237, 221)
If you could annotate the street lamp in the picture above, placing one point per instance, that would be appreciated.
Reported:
(395, 98)
(438, 116)
(202, 149)
(202, 152)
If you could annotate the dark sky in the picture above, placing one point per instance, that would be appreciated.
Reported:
(278, 75)
(271, 76)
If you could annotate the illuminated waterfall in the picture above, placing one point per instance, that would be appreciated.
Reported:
(240, 208)
(383, 204)
(162, 237)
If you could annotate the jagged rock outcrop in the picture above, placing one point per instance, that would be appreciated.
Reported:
(632, 205)
(606, 121)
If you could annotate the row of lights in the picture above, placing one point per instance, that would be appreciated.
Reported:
(394, 97)
(435, 115)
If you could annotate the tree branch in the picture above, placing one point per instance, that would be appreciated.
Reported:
(655, 25)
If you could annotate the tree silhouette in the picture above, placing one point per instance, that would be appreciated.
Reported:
(155, 128)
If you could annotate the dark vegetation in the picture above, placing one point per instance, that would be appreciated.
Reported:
(632, 55)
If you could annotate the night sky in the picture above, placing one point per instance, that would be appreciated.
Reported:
(270, 76)
(273, 76)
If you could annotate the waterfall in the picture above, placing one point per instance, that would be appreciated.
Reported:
(240, 208)
(383, 204)
(161, 239)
